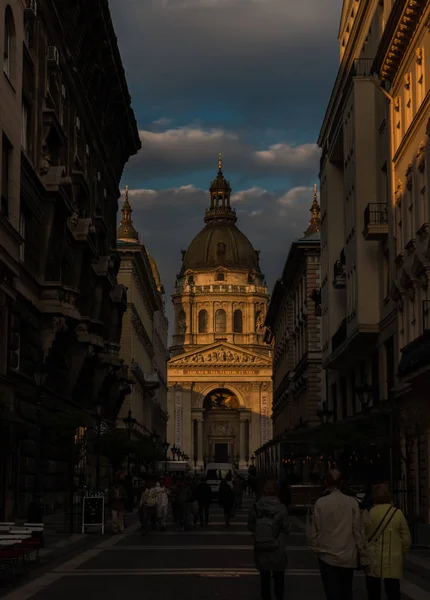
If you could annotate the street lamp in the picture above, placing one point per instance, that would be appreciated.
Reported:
(325, 414)
(253, 459)
(40, 376)
(173, 451)
(99, 427)
(166, 446)
(364, 393)
(129, 423)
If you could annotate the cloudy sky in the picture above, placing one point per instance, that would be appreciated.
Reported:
(248, 78)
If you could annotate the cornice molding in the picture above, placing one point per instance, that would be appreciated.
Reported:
(399, 31)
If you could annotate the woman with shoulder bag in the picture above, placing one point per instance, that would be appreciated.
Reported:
(389, 539)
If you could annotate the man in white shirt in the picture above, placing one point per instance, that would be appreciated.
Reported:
(337, 538)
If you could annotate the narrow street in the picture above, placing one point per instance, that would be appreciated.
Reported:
(209, 564)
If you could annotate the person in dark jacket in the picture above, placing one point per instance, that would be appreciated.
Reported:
(204, 499)
(226, 500)
(271, 564)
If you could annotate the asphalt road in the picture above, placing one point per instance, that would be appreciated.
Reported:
(199, 564)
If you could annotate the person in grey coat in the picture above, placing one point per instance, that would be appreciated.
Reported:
(269, 512)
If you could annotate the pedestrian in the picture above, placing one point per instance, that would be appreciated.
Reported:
(389, 539)
(162, 505)
(204, 499)
(149, 503)
(226, 500)
(238, 491)
(183, 495)
(117, 500)
(193, 506)
(337, 538)
(268, 521)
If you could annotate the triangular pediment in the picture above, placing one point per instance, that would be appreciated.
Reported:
(220, 353)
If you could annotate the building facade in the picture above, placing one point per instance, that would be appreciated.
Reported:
(374, 236)
(293, 325)
(406, 77)
(219, 373)
(67, 130)
(144, 331)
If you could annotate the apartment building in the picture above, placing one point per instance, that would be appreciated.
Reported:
(374, 233)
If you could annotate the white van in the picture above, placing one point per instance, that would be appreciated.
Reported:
(216, 472)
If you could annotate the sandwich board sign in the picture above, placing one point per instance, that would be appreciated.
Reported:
(93, 512)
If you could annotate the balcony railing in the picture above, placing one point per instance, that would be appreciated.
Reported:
(375, 221)
(362, 67)
(339, 337)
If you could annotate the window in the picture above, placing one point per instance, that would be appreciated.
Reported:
(237, 321)
(419, 55)
(5, 175)
(24, 127)
(22, 234)
(220, 277)
(344, 397)
(203, 321)
(334, 400)
(9, 44)
(408, 100)
(220, 321)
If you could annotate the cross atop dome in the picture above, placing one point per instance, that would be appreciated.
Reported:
(220, 191)
(126, 231)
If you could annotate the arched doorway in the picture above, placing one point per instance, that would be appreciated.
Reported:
(221, 426)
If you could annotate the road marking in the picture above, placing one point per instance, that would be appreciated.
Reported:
(210, 533)
(79, 560)
(413, 591)
(205, 547)
(182, 571)
(34, 587)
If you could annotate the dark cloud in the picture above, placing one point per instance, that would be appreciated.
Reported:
(268, 62)
(186, 149)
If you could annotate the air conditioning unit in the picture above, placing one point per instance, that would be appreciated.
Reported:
(30, 12)
(53, 56)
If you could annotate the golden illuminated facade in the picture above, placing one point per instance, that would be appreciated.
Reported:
(144, 332)
(219, 373)
(375, 235)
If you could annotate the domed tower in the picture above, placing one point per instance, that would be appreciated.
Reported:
(220, 304)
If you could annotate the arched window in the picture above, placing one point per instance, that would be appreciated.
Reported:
(182, 323)
(220, 321)
(237, 321)
(9, 44)
(220, 276)
(203, 321)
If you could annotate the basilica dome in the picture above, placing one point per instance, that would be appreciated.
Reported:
(220, 243)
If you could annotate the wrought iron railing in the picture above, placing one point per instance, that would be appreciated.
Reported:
(362, 67)
(376, 213)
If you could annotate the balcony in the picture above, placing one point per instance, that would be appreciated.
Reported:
(339, 337)
(339, 277)
(362, 67)
(375, 222)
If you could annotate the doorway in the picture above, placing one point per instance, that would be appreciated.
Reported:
(221, 452)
